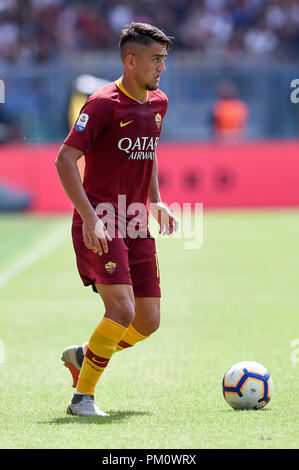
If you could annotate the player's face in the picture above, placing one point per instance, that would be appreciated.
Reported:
(149, 65)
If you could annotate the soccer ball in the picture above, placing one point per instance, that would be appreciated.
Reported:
(247, 385)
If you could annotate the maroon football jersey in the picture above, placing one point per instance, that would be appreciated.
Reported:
(119, 137)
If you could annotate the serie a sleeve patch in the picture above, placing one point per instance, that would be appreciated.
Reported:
(82, 121)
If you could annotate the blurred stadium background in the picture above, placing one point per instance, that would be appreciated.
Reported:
(228, 81)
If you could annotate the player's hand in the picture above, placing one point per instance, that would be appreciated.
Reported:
(95, 235)
(165, 218)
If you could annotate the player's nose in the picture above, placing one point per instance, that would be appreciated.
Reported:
(161, 67)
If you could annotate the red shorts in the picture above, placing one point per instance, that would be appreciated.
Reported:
(128, 261)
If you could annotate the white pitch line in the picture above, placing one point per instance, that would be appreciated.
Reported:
(47, 244)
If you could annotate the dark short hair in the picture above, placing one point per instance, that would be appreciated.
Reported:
(145, 34)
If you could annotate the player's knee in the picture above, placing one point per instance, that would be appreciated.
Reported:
(154, 320)
(122, 311)
(156, 323)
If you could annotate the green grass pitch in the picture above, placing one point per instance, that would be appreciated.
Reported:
(236, 298)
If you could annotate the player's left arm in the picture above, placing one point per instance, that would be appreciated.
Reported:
(166, 219)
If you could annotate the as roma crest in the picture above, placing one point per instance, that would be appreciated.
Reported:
(110, 267)
(158, 120)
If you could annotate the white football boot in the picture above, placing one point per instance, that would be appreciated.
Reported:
(83, 405)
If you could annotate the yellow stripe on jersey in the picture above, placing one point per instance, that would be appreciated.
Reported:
(122, 88)
(157, 264)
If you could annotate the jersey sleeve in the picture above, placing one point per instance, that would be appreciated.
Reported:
(163, 99)
(165, 106)
(94, 116)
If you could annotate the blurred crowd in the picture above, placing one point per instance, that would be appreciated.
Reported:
(41, 30)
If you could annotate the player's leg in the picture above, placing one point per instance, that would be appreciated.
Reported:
(111, 274)
(146, 322)
(119, 313)
(145, 275)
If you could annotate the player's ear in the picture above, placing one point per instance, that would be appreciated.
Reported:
(130, 61)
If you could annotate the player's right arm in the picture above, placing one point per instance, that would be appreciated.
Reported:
(95, 235)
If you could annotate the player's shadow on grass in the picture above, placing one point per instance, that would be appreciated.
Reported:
(115, 417)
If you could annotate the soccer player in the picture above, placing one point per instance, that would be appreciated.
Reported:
(118, 131)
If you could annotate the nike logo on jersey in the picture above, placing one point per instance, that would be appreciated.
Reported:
(123, 124)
